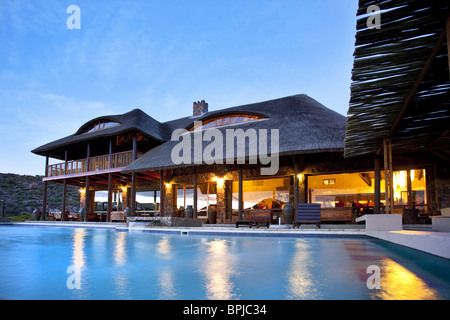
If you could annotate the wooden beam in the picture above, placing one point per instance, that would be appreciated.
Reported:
(377, 186)
(195, 192)
(386, 176)
(134, 146)
(161, 193)
(133, 195)
(87, 203)
(296, 184)
(63, 210)
(409, 189)
(44, 200)
(109, 209)
(241, 195)
(391, 178)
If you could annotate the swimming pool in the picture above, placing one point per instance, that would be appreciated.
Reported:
(54, 263)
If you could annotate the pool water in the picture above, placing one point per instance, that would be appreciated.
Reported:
(54, 263)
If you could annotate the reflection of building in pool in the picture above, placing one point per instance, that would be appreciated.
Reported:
(392, 151)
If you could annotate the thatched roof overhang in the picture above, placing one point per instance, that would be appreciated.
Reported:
(304, 126)
(133, 121)
(400, 83)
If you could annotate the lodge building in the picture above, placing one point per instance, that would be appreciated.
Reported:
(391, 154)
(121, 160)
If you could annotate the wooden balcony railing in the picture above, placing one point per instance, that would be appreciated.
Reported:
(118, 160)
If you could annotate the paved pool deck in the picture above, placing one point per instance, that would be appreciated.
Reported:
(420, 237)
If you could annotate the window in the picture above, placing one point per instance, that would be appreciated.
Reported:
(347, 189)
(226, 120)
(262, 193)
(100, 125)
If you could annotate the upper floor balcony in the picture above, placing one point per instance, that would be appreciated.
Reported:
(96, 164)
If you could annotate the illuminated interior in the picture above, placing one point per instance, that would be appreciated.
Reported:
(262, 193)
(347, 189)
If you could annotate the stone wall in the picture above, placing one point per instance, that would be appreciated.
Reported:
(164, 221)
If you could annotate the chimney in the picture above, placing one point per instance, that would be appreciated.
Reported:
(200, 108)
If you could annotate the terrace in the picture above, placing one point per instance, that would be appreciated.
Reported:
(100, 164)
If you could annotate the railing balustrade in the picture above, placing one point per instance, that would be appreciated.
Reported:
(118, 160)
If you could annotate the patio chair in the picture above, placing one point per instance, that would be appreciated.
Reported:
(308, 213)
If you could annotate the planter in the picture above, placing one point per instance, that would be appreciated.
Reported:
(288, 213)
(189, 212)
(37, 214)
(212, 214)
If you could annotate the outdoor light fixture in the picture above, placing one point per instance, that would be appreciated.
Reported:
(82, 190)
(220, 182)
(300, 177)
(124, 189)
(167, 185)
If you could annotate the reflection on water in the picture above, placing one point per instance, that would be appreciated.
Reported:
(166, 268)
(300, 278)
(166, 283)
(120, 254)
(164, 248)
(121, 280)
(166, 277)
(398, 283)
(218, 269)
(78, 256)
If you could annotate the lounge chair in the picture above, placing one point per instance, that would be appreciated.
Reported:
(308, 213)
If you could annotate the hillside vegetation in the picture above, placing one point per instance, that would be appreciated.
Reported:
(22, 194)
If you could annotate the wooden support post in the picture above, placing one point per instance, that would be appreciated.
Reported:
(377, 186)
(409, 189)
(44, 200)
(195, 192)
(296, 184)
(391, 178)
(87, 203)
(133, 180)
(161, 193)
(241, 195)
(134, 146)
(87, 197)
(386, 176)
(133, 195)
(109, 209)
(88, 155)
(63, 209)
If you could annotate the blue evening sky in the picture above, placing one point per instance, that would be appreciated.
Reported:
(161, 56)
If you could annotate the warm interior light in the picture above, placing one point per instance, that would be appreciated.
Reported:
(220, 182)
(124, 189)
(82, 190)
(167, 185)
(300, 177)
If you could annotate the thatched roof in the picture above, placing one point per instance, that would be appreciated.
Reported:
(135, 120)
(401, 87)
(305, 126)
